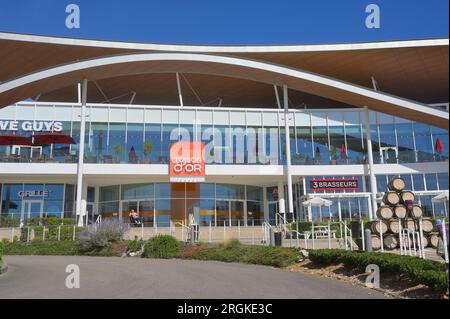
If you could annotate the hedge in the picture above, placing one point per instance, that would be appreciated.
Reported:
(50, 248)
(430, 273)
(235, 252)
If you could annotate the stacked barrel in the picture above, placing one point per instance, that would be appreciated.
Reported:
(399, 210)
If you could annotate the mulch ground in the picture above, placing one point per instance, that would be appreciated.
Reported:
(397, 286)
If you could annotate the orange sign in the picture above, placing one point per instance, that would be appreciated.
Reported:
(187, 162)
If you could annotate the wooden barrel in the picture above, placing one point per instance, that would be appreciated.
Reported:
(385, 212)
(376, 242)
(410, 224)
(376, 225)
(407, 195)
(393, 226)
(427, 225)
(426, 241)
(390, 241)
(400, 211)
(433, 239)
(417, 211)
(397, 184)
(391, 198)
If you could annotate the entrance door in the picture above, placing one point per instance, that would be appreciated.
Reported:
(145, 209)
(230, 213)
(273, 211)
(31, 209)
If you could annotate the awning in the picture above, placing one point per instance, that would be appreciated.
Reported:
(53, 138)
(13, 139)
(317, 202)
(441, 196)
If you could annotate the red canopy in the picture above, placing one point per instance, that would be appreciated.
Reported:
(13, 139)
(53, 138)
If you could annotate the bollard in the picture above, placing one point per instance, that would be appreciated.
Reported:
(368, 240)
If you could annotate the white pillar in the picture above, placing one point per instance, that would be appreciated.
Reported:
(373, 181)
(79, 205)
(281, 201)
(180, 96)
(288, 151)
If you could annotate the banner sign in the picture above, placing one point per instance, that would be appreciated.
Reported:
(334, 184)
(187, 162)
(31, 126)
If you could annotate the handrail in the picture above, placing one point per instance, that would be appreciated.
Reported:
(348, 240)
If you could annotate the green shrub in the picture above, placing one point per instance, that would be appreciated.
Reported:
(421, 271)
(135, 245)
(161, 246)
(51, 221)
(236, 252)
(61, 248)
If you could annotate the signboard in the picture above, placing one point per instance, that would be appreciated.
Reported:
(187, 162)
(33, 193)
(31, 126)
(334, 184)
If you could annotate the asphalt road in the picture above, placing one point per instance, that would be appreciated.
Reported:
(107, 277)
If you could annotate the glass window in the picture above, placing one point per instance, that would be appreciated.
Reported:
(254, 193)
(320, 138)
(230, 191)
(443, 181)
(405, 140)
(97, 145)
(338, 149)
(135, 143)
(431, 180)
(117, 147)
(418, 182)
(441, 136)
(304, 155)
(162, 190)
(109, 193)
(152, 148)
(422, 134)
(69, 200)
(12, 200)
(355, 146)
(137, 191)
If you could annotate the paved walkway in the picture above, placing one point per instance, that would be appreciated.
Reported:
(108, 277)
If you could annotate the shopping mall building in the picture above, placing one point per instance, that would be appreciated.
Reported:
(274, 126)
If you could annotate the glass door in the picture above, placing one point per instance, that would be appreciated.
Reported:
(127, 206)
(146, 210)
(31, 209)
(222, 212)
(273, 211)
(236, 213)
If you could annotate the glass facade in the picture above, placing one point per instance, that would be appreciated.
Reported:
(137, 135)
(161, 204)
(21, 202)
(143, 135)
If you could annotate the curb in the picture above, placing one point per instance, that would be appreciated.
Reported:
(3, 268)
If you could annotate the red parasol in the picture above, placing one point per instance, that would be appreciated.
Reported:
(439, 146)
(53, 138)
(13, 139)
(343, 150)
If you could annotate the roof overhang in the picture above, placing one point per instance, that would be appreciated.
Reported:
(296, 79)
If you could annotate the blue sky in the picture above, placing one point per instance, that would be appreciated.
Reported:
(229, 21)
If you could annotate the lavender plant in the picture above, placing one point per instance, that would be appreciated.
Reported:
(99, 236)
